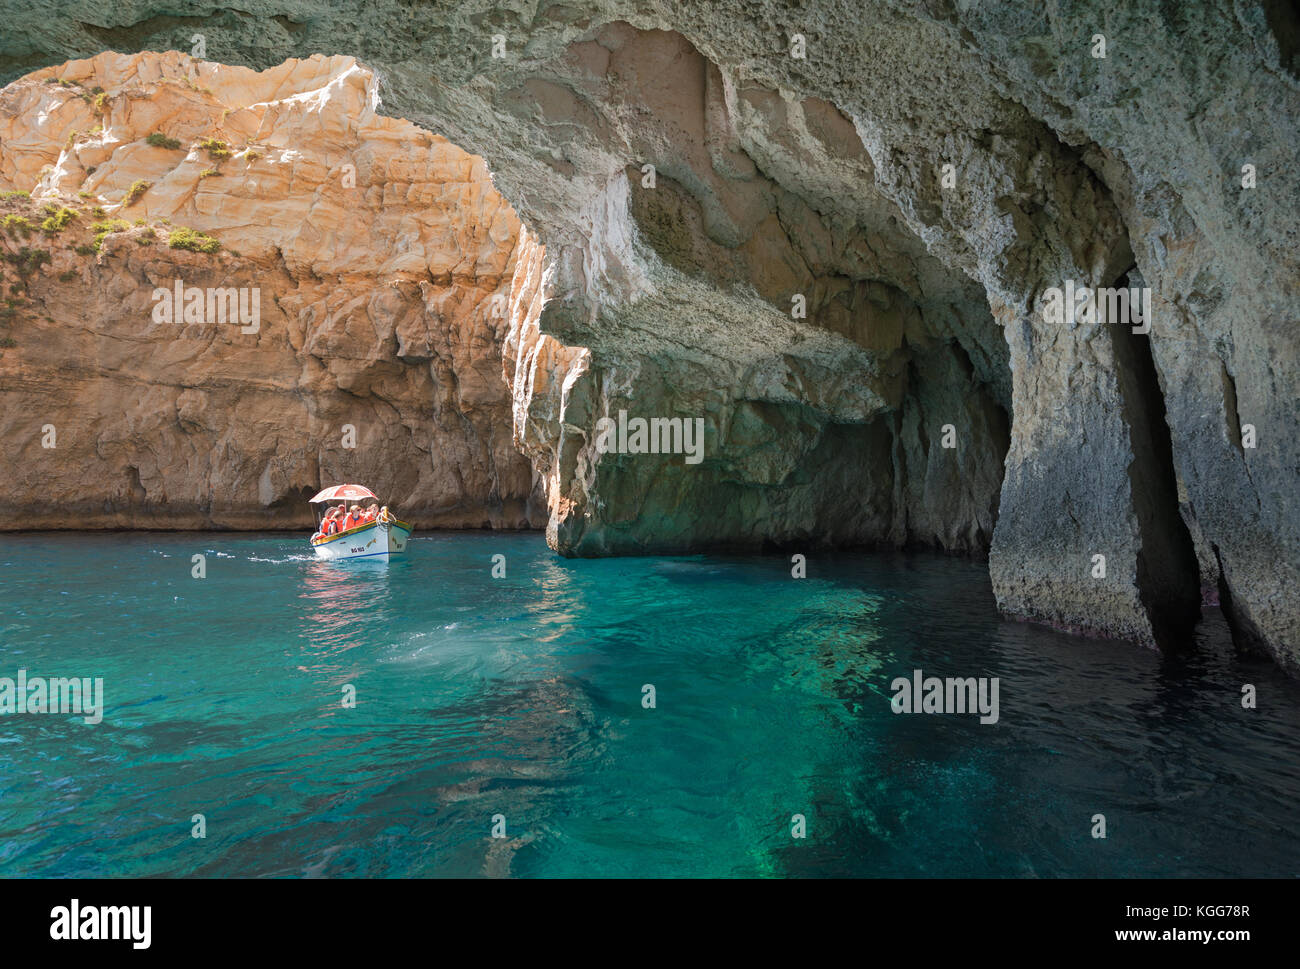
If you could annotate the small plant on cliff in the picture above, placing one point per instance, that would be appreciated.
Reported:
(102, 229)
(17, 193)
(216, 149)
(17, 226)
(83, 194)
(208, 173)
(57, 218)
(184, 238)
(84, 250)
(98, 212)
(160, 140)
(146, 237)
(251, 155)
(67, 276)
(8, 343)
(138, 188)
(27, 261)
(101, 102)
(9, 310)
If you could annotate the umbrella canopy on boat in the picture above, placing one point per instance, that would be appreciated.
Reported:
(344, 492)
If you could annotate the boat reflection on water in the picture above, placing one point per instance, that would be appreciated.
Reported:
(341, 606)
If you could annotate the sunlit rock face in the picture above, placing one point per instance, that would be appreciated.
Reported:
(374, 248)
(823, 176)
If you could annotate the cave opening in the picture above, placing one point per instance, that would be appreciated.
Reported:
(357, 271)
(672, 300)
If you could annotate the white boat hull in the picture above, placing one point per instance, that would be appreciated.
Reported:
(374, 541)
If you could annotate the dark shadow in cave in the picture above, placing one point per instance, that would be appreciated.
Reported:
(1246, 637)
(1284, 21)
(1168, 576)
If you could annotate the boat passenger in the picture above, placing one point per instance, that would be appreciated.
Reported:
(353, 519)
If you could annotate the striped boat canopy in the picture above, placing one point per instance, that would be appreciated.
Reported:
(344, 492)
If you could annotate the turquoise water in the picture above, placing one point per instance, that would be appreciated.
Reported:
(522, 697)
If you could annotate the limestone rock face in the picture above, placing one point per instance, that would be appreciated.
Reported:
(723, 279)
(801, 150)
(375, 250)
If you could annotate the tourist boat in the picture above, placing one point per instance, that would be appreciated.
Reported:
(377, 540)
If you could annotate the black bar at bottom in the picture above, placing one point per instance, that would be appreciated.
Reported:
(337, 918)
